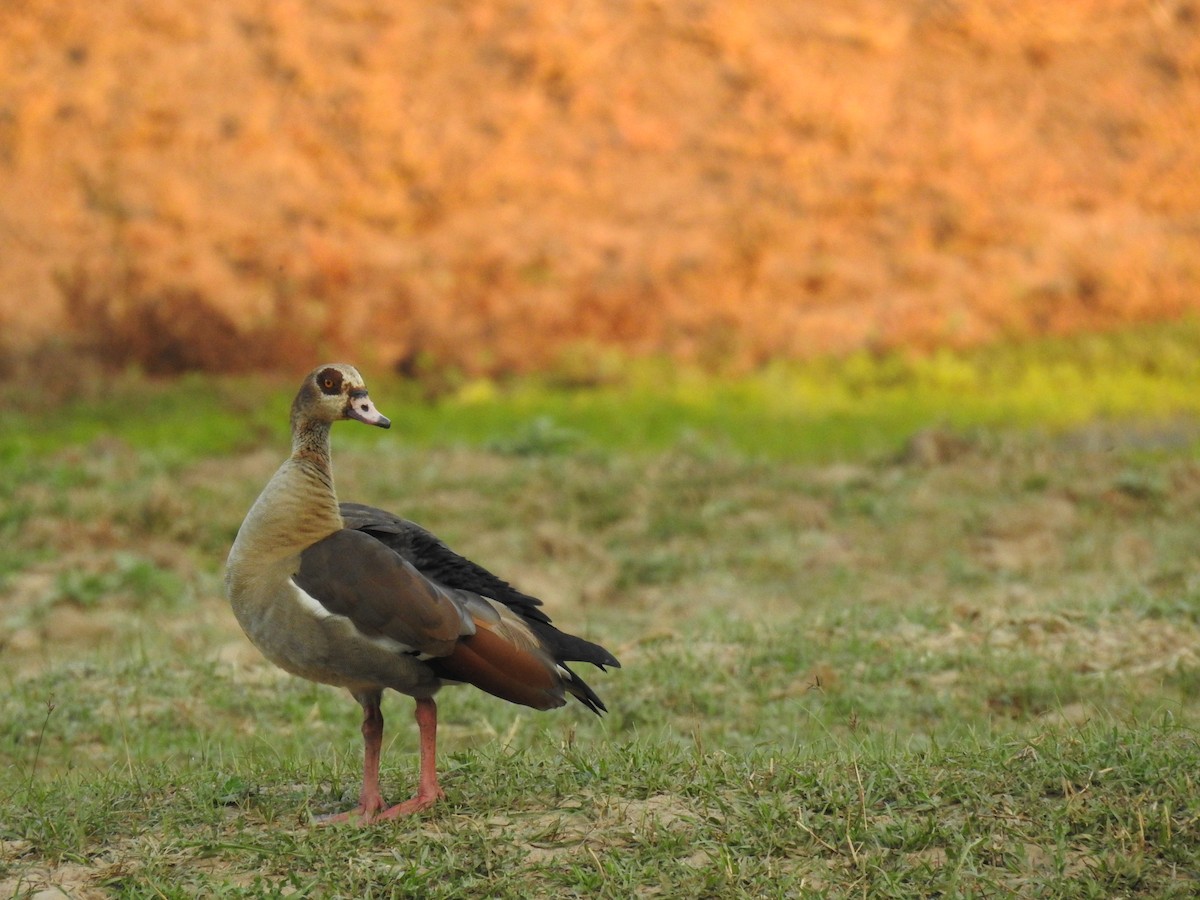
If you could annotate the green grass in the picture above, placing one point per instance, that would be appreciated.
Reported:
(864, 406)
(971, 673)
(1065, 815)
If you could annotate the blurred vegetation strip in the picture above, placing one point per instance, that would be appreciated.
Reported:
(857, 406)
(179, 419)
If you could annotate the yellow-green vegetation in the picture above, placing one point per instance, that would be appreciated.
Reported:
(933, 655)
(858, 407)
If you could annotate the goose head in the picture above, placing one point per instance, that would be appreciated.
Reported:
(334, 392)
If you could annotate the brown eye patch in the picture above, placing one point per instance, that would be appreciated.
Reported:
(329, 381)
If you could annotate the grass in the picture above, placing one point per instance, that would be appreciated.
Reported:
(825, 410)
(971, 672)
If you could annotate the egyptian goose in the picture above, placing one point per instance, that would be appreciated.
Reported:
(355, 597)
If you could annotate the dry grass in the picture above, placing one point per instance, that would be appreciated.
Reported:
(892, 676)
(506, 187)
(966, 668)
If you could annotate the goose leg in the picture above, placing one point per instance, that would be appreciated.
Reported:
(428, 789)
(370, 801)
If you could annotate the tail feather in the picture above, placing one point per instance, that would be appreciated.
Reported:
(572, 648)
(581, 691)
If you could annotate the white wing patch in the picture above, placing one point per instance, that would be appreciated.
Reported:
(309, 602)
(317, 609)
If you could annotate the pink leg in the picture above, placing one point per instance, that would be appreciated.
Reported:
(428, 790)
(370, 801)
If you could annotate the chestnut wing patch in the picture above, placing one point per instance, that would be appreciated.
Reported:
(494, 662)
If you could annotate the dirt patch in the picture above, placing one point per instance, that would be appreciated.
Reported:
(68, 881)
(1118, 644)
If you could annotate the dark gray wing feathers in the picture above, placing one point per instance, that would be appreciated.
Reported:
(433, 559)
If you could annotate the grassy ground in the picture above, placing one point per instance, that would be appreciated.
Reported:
(856, 408)
(963, 665)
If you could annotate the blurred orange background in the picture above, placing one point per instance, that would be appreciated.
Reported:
(498, 187)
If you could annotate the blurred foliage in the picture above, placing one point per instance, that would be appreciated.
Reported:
(494, 186)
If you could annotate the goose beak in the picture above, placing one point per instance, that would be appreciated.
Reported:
(361, 408)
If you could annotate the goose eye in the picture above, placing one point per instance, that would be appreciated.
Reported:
(329, 381)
